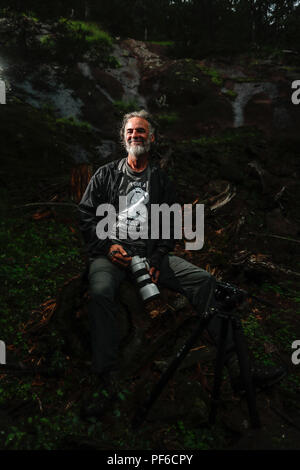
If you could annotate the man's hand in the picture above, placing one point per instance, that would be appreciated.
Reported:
(155, 264)
(119, 256)
(154, 273)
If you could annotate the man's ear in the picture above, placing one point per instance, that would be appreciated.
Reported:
(152, 137)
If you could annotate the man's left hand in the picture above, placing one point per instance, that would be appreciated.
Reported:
(154, 273)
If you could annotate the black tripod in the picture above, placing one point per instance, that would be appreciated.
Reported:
(242, 353)
(228, 318)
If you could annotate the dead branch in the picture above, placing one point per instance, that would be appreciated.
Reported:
(274, 236)
(251, 260)
(215, 202)
(32, 204)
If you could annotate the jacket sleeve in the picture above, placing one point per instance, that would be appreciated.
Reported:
(95, 194)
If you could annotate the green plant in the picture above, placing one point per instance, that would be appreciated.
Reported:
(168, 119)
(212, 73)
(125, 106)
(71, 40)
(71, 121)
(163, 43)
(93, 34)
(196, 439)
(230, 93)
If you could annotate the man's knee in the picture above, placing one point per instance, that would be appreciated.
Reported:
(103, 287)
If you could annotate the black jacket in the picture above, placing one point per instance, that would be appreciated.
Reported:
(104, 188)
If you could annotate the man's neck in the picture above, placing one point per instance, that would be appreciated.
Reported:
(138, 163)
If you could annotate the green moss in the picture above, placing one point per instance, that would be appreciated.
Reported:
(93, 34)
(212, 73)
(47, 41)
(247, 79)
(230, 93)
(71, 40)
(167, 119)
(231, 137)
(34, 251)
(31, 15)
(71, 121)
(125, 106)
(163, 43)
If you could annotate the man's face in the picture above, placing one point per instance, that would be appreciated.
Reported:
(137, 136)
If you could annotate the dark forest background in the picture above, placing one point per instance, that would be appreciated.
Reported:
(198, 27)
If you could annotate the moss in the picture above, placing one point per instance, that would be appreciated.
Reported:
(247, 79)
(125, 106)
(230, 93)
(163, 43)
(222, 139)
(93, 34)
(71, 40)
(212, 73)
(167, 119)
(31, 15)
(71, 121)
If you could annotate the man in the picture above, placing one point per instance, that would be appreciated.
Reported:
(141, 183)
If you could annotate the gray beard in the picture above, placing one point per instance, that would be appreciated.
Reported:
(137, 150)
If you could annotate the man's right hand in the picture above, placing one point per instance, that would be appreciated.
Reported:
(119, 256)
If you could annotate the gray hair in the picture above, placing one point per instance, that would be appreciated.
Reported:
(141, 114)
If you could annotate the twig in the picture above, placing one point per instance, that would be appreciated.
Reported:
(72, 204)
(274, 236)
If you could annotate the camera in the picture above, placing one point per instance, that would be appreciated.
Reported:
(139, 268)
(229, 296)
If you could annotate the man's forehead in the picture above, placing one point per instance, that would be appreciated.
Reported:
(137, 122)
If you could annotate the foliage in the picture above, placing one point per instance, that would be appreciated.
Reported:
(214, 74)
(228, 137)
(94, 35)
(232, 94)
(125, 106)
(163, 43)
(32, 252)
(71, 121)
(167, 118)
(197, 27)
(71, 40)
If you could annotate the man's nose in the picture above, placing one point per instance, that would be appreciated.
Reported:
(135, 134)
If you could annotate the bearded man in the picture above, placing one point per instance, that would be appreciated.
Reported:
(141, 183)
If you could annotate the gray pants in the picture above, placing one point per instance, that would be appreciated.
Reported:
(105, 279)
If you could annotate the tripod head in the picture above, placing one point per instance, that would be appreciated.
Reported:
(231, 296)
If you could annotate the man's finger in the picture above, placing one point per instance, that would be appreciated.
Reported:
(121, 260)
(154, 273)
(120, 263)
(126, 258)
(124, 253)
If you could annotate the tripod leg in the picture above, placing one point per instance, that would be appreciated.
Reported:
(218, 369)
(144, 409)
(244, 363)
